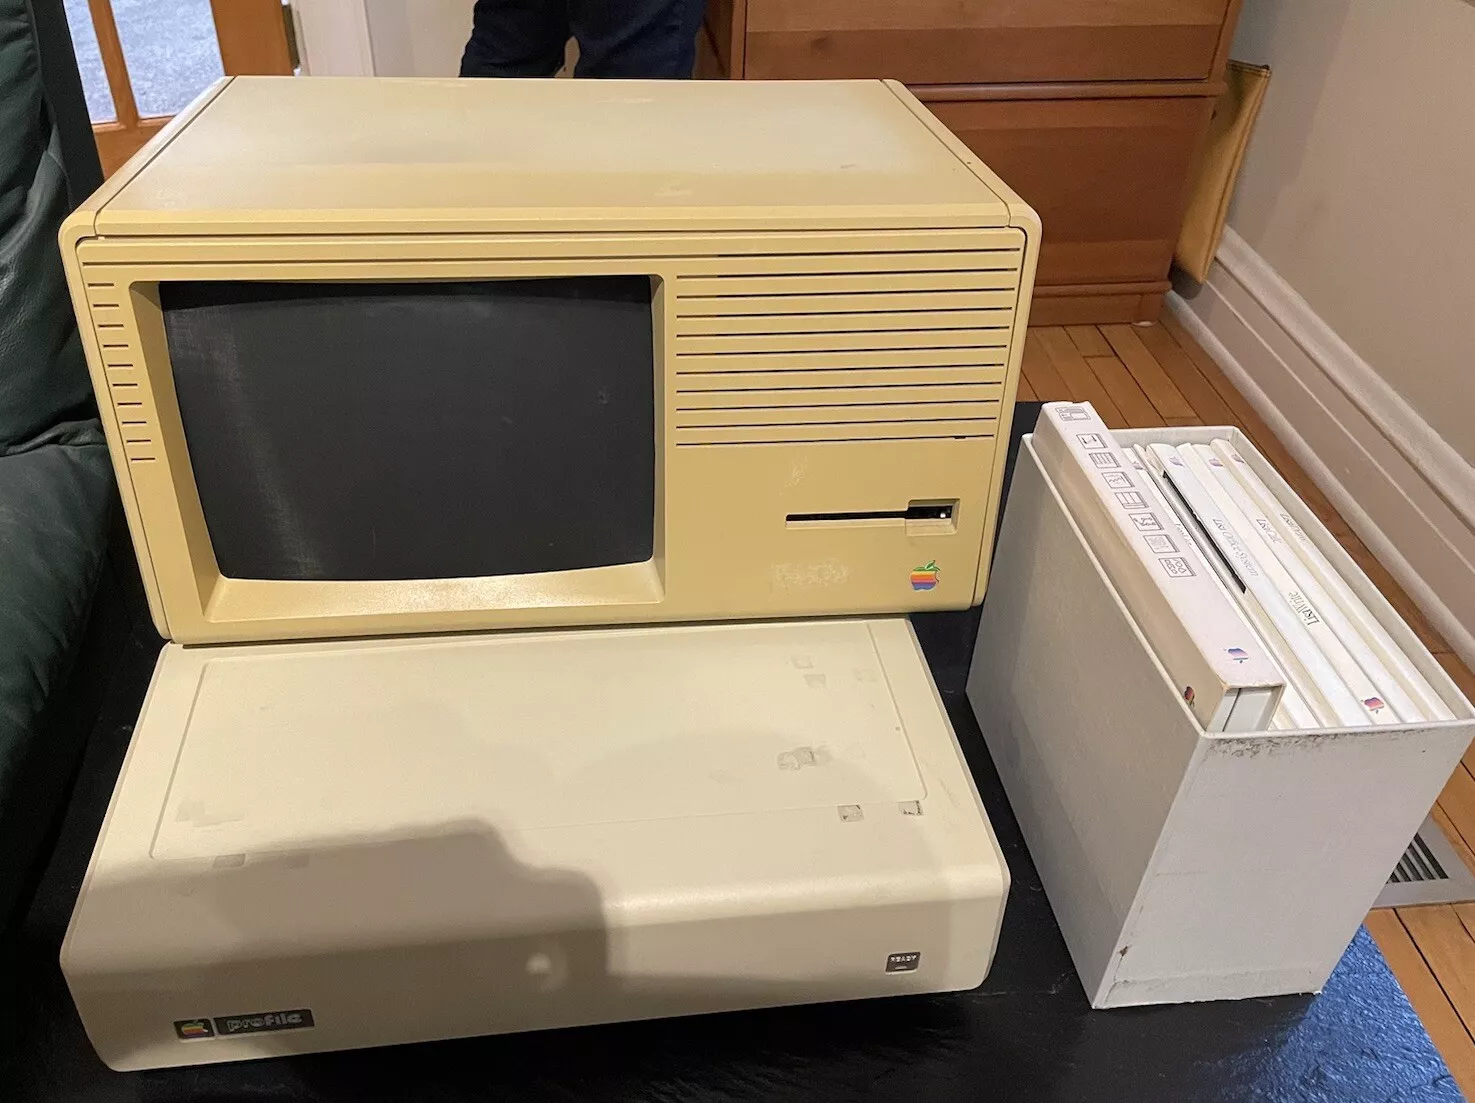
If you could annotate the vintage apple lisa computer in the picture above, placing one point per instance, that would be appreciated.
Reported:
(528, 477)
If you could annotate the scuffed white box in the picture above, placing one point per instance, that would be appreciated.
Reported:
(1184, 865)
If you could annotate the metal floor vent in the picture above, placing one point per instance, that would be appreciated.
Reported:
(1430, 872)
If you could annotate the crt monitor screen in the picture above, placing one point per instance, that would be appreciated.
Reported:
(377, 431)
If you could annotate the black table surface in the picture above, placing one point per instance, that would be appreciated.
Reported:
(1026, 1034)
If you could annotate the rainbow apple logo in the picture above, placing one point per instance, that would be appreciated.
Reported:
(1238, 654)
(925, 577)
(1373, 704)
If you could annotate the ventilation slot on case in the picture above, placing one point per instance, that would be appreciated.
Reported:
(119, 352)
(875, 346)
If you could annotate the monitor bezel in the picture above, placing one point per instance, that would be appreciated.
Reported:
(173, 525)
(722, 547)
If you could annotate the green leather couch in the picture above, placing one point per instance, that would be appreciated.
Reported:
(56, 484)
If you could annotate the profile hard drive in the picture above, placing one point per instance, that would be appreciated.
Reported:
(317, 846)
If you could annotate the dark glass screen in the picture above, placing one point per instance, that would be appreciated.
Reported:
(418, 430)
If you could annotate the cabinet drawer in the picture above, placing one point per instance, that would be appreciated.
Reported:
(984, 41)
(1109, 177)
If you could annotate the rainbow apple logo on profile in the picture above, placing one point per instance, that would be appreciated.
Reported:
(925, 577)
(1238, 654)
(1373, 704)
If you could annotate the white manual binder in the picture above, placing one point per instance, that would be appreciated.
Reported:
(1306, 667)
(1427, 704)
(1216, 660)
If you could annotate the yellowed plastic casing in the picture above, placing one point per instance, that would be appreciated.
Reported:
(351, 843)
(840, 292)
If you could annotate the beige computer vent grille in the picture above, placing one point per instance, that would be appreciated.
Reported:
(877, 346)
(118, 344)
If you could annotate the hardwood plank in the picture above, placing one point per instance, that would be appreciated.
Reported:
(1180, 368)
(1078, 377)
(1454, 838)
(1148, 373)
(1038, 372)
(1191, 420)
(1186, 341)
(1041, 373)
(1136, 407)
(1088, 340)
(1466, 912)
(1025, 393)
(1434, 1008)
(1241, 412)
(1457, 803)
(1449, 950)
(1253, 426)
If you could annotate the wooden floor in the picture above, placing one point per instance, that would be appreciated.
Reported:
(1141, 376)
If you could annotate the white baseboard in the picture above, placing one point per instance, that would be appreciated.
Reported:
(1402, 488)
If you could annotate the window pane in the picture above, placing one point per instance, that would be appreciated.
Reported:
(89, 61)
(172, 51)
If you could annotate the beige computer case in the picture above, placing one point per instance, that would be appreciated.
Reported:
(841, 290)
(323, 845)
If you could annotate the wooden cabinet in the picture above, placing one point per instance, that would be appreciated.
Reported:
(1107, 177)
(1091, 109)
(948, 42)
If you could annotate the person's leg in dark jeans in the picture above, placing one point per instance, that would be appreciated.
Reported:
(516, 38)
(617, 38)
(636, 38)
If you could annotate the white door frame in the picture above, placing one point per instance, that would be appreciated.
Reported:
(333, 38)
